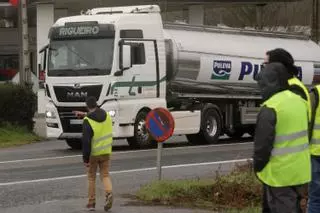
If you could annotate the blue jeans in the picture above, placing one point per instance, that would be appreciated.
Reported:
(314, 187)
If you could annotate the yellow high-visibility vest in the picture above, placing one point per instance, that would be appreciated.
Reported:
(101, 143)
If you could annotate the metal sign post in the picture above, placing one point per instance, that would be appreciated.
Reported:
(159, 157)
(160, 125)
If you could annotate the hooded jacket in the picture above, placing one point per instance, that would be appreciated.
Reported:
(271, 80)
(98, 115)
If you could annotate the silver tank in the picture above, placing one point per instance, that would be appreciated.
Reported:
(185, 44)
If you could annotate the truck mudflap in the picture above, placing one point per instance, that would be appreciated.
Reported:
(186, 122)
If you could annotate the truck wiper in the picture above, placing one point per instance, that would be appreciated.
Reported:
(92, 71)
(64, 72)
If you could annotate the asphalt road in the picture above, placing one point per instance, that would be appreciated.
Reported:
(47, 176)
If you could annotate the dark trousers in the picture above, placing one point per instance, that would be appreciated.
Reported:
(265, 206)
(281, 199)
(314, 186)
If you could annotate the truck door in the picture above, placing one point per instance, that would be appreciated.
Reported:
(139, 80)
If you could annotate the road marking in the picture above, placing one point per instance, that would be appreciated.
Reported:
(127, 171)
(122, 152)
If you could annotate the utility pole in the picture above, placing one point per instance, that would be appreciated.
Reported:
(24, 65)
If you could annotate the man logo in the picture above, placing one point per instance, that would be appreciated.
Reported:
(77, 95)
(221, 70)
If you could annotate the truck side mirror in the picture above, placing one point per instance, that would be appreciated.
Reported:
(126, 57)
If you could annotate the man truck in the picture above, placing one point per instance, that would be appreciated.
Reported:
(132, 62)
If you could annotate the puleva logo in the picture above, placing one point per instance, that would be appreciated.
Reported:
(221, 70)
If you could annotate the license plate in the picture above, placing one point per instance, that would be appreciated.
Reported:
(76, 121)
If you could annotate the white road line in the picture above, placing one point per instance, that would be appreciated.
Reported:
(127, 171)
(122, 152)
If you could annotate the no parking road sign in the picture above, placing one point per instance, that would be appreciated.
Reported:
(160, 125)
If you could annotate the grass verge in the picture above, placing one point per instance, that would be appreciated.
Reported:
(238, 191)
(14, 135)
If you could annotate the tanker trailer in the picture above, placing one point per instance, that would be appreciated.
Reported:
(214, 69)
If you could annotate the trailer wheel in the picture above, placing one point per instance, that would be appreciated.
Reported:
(141, 138)
(211, 126)
(210, 130)
(74, 143)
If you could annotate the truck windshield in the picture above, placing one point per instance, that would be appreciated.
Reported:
(83, 57)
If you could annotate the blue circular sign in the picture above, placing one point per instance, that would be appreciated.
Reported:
(160, 124)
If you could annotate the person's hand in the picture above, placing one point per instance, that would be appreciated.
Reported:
(86, 167)
(79, 114)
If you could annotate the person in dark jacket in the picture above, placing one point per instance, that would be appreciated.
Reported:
(96, 150)
(284, 57)
(314, 186)
(273, 80)
(270, 83)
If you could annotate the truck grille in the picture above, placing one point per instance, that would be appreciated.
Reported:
(71, 94)
(66, 114)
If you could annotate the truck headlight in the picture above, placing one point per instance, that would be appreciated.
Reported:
(112, 113)
(50, 114)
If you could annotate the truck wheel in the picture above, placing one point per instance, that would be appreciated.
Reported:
(141, 138)
(74, 143)
(210, 130)
(211, 126)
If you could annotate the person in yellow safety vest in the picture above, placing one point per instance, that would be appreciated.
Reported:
(314, 186)
(295, 85)
(281, 158)
(97, 148)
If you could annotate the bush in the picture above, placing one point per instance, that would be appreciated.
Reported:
(17, 105)
(239, 189)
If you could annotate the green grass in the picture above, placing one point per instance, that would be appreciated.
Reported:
(238, 191)
(13, 136)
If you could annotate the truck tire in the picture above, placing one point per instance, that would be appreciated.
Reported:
(141, 138)
(210, 130)
(75, 144)
(211, 126)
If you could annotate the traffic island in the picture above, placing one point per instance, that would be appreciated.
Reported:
(11, 135)
(238, 191)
